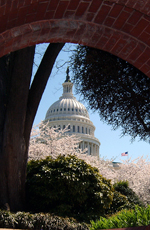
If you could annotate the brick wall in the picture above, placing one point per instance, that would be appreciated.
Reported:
(121, 27)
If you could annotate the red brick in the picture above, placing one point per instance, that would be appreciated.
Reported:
(145, 38)
(102, 42)
(2, 10)
(80, 30)
(112, 41)
(146, 17)
(89, 16)
(127, 28)
(121, 20)
(116, 10)
(102, 14)
(45, 31)
(128, 9)
(146, 8)
(139, 27)
(53, 5)
(3, 2)
(131, 44)
(119, 46)
(147, 29)
(3, 25)
(73, 4)
(136, 52)
(61, 9)
(143, 57)
(26, 29)
(33, 8)
(15, 32)
(148, 74)
(73, 28)
(42, 7)
(95, 6)
(98, 23)
(12, 24)
(97, 34)
(28, 2)
(139, 4)
(81, 9)
(145, 68)
(50, 14)
(131, 3)
(14, 5)
(135, 17)
(109, 21)
(69, 14)
(22, 15)
(107, 33)
(122, 1)
(16, 43)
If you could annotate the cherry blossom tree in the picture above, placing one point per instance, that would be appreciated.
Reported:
(47, 141)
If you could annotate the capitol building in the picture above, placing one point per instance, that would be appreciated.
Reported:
(68, 111)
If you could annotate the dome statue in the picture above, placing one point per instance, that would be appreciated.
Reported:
(68, 111)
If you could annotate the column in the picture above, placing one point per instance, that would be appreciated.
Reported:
(91, 149)
(88, 149)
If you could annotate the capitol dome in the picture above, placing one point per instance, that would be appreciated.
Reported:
(68, 111)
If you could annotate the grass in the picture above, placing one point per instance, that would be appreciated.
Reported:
(124, 219)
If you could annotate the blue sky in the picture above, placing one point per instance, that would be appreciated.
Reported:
(112, 144)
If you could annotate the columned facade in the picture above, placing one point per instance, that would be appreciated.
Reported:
(68, 111)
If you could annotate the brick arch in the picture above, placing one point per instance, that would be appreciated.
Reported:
(121, 27)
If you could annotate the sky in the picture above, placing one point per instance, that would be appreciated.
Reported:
(112, 144)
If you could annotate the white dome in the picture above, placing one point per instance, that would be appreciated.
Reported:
(67, 106)
(68, 111)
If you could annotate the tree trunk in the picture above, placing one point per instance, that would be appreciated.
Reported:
(19, 103)
(14, 146)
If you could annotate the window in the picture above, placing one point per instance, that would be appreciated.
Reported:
(89, 131)
(82, 129)
(68, 109)
(72, 109)
(64, 126)
(74, 128)
(78, 129)
(64, 109)
(60, 109)
(54, 110)
(68, 128)
(86, 130)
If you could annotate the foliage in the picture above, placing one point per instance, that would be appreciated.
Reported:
(67, 186)
(123, 188)
(25, 220)
(115, 88)
(119, 202)
(136, 172)
(124, 198)
(124, 219)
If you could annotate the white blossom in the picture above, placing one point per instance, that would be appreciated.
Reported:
(47, 141)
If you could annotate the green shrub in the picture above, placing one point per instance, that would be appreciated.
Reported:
(67, 186)
(119, 202)
(123, 188)
(124, 219)
(38, 221)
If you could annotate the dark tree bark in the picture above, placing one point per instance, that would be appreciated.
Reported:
(19, 103)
